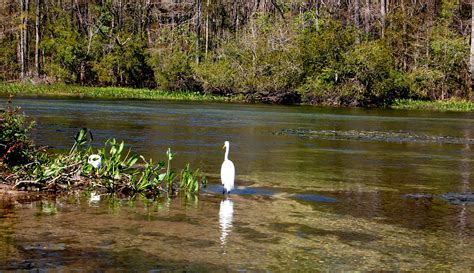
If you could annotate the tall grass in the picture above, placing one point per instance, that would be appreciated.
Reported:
(446, 105)
(62, 90)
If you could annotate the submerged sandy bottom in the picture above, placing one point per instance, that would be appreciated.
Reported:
(256, 233)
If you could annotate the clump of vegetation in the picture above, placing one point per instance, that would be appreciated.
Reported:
(120, 171)
(63, 90)
(15, 145)
(453, 105)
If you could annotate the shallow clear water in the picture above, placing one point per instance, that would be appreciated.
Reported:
(302, 203)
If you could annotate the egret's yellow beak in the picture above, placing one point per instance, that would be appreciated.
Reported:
(223, 147)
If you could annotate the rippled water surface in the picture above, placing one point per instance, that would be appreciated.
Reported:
(318, 202)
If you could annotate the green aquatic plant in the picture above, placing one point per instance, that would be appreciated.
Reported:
(62, 90)
(114, 165)
(117, 173)
(189, 181)
(452, 105)
(83, 137)
(149, 179)
(169, 175)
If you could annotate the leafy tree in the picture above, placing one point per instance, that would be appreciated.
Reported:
(63, 47)
(337, 53)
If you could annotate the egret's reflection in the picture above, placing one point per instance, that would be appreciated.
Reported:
(226, 213)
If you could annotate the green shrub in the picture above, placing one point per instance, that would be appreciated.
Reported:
(9, 65)
(124, 65)
(448, 55)
(372, 66)
(63, 47)
(15, 144)
(261, 63)
(322, 49)
(316, 90)
(422, 81)
(104, 69)
(171, 58)
(217, 77)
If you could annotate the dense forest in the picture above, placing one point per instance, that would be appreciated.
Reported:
(334, 52)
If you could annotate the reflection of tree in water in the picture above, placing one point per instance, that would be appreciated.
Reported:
(465, 169)
(226, 213)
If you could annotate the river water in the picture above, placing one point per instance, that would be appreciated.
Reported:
(332, 196)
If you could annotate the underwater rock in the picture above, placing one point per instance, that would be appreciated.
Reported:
(454, 198)
(419, 195)
(458, 198)
(313, 198)
(44, 246)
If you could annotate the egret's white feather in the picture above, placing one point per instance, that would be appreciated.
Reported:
(227, 170)
(227, 175)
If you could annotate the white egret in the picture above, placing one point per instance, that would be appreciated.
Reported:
(95, 160)
(227, 171)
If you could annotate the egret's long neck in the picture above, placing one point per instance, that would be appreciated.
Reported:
(226, 157)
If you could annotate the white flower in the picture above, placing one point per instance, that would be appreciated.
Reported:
(95, 161)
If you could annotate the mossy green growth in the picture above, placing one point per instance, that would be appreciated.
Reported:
(440, 105)
(63, 90)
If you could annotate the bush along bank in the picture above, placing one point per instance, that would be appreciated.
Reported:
(32, 168)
